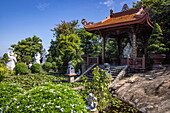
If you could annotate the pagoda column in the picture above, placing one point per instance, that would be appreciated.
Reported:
(134, 47)
(103, 49)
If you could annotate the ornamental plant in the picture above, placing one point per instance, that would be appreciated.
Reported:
(3, 70)
(36, 68)
(47, 66)
(7, 92)
(21, 68)
(49, 98)
(99, 87)
(155, 42)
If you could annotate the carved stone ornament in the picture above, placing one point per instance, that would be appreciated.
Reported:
(84, 22)
(125, 7)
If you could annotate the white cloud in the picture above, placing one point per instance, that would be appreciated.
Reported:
(108, 3)
(42, 6)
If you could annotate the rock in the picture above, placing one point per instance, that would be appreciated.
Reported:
(149, 92)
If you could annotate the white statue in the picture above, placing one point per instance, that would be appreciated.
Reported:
(44, 58)
(11, 60)
(37, 58)
(92, 102)
(127, 51)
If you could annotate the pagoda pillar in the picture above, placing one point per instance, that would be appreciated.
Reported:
(134, 47)
(103, 49)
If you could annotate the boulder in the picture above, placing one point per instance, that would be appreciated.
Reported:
(148, 92)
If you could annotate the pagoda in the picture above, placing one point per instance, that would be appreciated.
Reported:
(129, 23)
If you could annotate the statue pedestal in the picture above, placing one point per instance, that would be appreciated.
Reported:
(91, 111)
(71, 77)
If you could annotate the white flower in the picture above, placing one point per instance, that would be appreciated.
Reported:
(17, 106)
(44, 105)
(41, 109)
(62, 109)
(57, 106)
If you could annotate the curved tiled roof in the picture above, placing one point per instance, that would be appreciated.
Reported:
(128, 17)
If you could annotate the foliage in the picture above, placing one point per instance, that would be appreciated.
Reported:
(66, 47)
(54, 66)
(3, 71)
(36, 68)
(27, 59)
(4, 60)
(111, 48)
(99, 87)
(47, 66)
(155, 45)
(49, 98)
(91, 43)
(21, 68)
(28, 47)
(159, 11)
(7, 92)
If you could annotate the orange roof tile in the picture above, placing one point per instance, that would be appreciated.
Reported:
(122, 18)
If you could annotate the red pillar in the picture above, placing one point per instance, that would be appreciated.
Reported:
(103, 49)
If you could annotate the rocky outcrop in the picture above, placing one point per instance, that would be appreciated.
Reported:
(149, 92)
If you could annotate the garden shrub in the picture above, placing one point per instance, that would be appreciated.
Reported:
(21, 68)
(54, 66)
(3, 70)
(47, 66)
(7, 92)
(36, 68)
(49, 98)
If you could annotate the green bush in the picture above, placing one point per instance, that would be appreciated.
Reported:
(49, 98)
(7, 92)
(47, 66)
(27, 59)
(36, 68)
(21, 68)
(54, 66)
(3, 70)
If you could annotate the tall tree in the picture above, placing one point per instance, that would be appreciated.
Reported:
(28, 47)
(66, 46)
(91, 43)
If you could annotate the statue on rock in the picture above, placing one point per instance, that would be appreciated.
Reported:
(127, 51)
(92, 102)
(37, 58)
(11, 60)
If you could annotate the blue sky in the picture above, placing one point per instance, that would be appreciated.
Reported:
(20, 19)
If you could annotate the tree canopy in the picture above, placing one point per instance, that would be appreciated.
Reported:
(28, 47)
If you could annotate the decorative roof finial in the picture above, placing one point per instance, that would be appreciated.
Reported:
(84, 22)
(125, 7)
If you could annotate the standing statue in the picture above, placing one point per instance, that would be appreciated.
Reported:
(44, 58)
(70, 69)
(92, 102)
(127, 51)
(37, 58)
(11, 60)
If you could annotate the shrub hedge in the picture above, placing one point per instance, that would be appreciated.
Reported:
(36, 68)
(21, 68)
(47, 66)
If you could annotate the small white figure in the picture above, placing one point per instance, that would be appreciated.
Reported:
(37, 58)
(92, 102)
(127, 51)
(44, 58)
(11, 60)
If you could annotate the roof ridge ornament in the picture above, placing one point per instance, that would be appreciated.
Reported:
(84, 22)
(125, 7)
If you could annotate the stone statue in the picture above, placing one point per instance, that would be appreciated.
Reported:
(127, 51)
(108, 68)
(70, 69)
(37, 58)
(44, 58)
(11, 60)
(91, 102)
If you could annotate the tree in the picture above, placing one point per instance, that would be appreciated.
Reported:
(91, 43)
(155, 45)
(68, 49)
(66, 46)
(28, 47)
